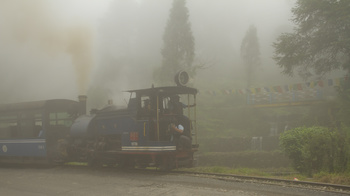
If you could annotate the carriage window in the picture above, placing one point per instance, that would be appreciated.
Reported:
(31, 124)
(60, 118)
(8, 126)
(25, 125)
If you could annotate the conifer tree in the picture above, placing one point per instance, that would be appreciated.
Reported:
(178, 48)
(250, 53)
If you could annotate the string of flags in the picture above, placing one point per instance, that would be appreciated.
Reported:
(278, 89)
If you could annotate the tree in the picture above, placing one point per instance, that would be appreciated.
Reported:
(250, 53)
(343, 102)
(321, 41)
(178, 48)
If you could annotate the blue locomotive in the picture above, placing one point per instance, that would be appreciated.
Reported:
(142, 134)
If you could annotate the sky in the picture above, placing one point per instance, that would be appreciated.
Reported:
(46, 46)
(57, 48)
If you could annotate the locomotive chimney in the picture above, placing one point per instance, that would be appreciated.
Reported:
(82, 104)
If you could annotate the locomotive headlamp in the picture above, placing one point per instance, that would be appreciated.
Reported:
(181, 78)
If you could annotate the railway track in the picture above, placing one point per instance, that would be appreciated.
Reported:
(333, 188)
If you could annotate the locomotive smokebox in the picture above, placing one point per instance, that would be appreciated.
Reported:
(82, 104)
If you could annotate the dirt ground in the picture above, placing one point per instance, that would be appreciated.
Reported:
(65, 181)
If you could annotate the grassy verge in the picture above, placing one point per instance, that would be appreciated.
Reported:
(279, 173)
(343, 178)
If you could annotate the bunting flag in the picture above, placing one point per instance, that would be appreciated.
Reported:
(211, 93)
(281, 90)
(225, 92)
(252, 90)
(337, 82)
(330, 82)
(320, 83)
(312, 84)
(299, 87)
(291, 87)
(295, 87)
(258, 90)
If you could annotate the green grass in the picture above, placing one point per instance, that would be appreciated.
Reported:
(343, 178)
(279, 173)
(227, 170)
(77, 163)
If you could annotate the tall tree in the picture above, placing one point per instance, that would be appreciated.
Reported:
(178, 49)
(250, 53)
(320, 42)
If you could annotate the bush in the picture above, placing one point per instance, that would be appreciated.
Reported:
(313, 149)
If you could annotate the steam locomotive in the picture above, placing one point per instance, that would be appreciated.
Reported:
(140, 135)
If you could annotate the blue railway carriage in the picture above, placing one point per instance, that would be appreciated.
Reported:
(30, 131)
(141, 134)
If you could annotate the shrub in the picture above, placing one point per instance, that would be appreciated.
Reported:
(312, 149)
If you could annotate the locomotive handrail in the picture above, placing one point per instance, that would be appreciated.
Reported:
(157, 117)
(195, 118)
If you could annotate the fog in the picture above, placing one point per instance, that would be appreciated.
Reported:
(62, 48)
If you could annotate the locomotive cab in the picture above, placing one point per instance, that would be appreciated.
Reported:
(163, 106)
(156, 110)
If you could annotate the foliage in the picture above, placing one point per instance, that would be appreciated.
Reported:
(321, 40)
(178, 49)
(344, 102)
(250, 53)
(227, 117)
(314, 149)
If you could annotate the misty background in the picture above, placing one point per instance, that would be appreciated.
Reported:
(59, 49)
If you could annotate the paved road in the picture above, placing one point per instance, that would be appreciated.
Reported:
(65, 181)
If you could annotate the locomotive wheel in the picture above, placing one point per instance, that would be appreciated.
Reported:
(127, 163)
(93, 162)
(167, 164)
